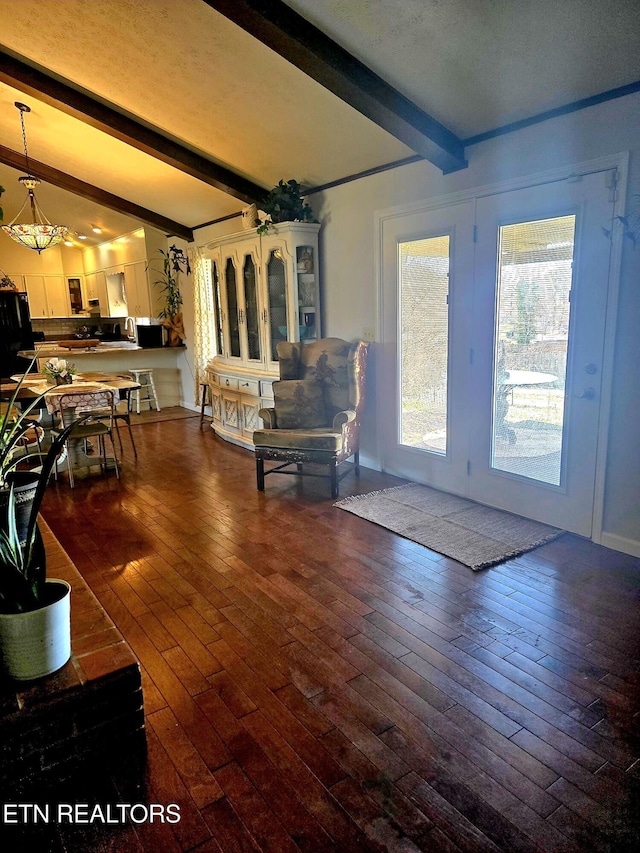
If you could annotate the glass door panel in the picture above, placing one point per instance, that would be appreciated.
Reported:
(251, 307)
(307, 293)
(540, 303)
(424, 343)
(277, 295)
(232, 305)
(423, 369)
(535, 261)
(217, 308)
(496, 395)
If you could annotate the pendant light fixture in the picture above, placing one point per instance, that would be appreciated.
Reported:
(39, 234)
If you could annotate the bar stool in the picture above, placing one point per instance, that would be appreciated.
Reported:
(205, 390)
(146, 393)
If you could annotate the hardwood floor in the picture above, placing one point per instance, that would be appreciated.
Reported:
(314, 682)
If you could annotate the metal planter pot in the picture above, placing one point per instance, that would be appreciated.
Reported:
(38, 642)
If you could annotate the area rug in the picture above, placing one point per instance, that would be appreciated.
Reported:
(475, 535)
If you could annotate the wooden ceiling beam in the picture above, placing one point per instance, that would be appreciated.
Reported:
(88, 109)
(88, 191)
(276, 25)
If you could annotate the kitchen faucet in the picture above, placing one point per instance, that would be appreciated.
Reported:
(132, 334)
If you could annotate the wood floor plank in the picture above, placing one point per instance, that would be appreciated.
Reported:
(197, 777)
(315, 682)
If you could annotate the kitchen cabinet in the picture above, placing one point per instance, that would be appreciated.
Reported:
(143, 297)
(48, 296)
(77, 295)
(91, 286)
(111, 292)
(265, 289)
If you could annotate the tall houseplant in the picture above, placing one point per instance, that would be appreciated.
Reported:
(35, 613)
(285, 203)
(173, 263)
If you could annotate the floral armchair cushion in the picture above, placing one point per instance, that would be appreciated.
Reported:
(299, 404)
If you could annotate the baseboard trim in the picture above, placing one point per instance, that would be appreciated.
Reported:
(369, 462)
(620, 543)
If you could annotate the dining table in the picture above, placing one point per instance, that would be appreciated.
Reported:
(38, 385)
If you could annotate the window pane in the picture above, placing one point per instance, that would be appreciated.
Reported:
(424, 342)
(534, 282)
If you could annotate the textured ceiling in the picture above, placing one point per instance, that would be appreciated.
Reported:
(475, 65)
(187, 71)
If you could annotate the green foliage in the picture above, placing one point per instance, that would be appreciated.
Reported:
(12, 430)
(23, 566)
(5, 281)
(173, 263)
(284, 203)
(527, 306)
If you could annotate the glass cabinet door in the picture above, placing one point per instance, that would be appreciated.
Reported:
(233, 309)
(254, 351)
(217, 308)
(277, 298)
(307, 281)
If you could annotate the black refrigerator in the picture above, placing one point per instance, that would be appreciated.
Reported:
(15, 332)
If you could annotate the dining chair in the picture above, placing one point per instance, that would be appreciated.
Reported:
(122, 409)
(88, 408)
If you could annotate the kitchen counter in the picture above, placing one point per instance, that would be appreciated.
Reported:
(121, 357)
(49, 349)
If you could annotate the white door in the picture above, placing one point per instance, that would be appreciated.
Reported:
(427, 267)
(540, 287)
(496, 395)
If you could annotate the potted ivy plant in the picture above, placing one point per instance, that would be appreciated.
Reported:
(173, 263)
(284, 203)
(35, 612)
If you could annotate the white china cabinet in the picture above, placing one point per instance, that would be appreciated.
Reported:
(265, 289)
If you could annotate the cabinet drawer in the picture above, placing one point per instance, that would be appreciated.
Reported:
(249, 386)
(227, 381)
(266, 388)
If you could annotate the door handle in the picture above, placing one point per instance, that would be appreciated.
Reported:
(587, 394)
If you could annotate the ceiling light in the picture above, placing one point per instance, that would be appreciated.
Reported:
(96, 229)
(82, 236)
(39, 234)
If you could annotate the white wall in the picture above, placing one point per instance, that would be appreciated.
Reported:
(348, 263)
(125, 249)
(18, 260)
(349, 290)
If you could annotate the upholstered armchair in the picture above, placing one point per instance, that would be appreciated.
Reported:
(317, 410)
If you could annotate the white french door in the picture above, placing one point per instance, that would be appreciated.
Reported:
(427, 309)
(493, 324)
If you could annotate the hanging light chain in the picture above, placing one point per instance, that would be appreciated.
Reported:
(24, 109)
(39, 234)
